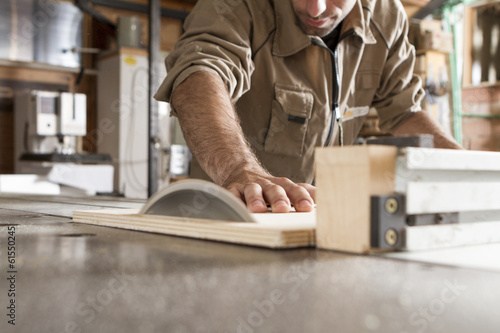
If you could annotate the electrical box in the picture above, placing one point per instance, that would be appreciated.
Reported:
(72, 114)
(42, 112)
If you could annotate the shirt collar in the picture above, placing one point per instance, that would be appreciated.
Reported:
(359, 20)
(290, 38)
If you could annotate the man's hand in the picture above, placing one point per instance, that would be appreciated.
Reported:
(422, 123)
(280, 193)
(213, 133)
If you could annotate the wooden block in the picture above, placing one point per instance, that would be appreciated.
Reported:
(346, 178)
(431, 180)
(272, 230)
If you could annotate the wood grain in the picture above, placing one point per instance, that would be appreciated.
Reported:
(346, 177)
(272, 230)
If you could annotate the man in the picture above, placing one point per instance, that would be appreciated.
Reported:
(258, 84)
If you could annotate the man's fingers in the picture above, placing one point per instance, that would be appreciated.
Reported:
(254, 198)
(301, 195)
(276, 196)
(279, 193)
(235, 191)
(310, 189)
(301, 199)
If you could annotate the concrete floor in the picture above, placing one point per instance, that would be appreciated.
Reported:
(80, 278)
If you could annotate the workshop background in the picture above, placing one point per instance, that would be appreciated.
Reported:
(101, 49)
(77, 120)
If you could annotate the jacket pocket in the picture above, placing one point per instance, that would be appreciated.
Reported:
(367, 83)
(291, 111)
(358, 106)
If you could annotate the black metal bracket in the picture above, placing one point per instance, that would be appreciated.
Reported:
(153, 127)
(419, 140)
(427, 219)
(389, 221)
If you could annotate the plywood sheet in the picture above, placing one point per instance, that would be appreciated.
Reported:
(272, 230)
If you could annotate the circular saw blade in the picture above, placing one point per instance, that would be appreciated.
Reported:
(197, 199)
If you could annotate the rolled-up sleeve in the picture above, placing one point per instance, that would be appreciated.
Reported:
(216, 40)
(400, 92)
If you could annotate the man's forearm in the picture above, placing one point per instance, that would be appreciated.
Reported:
(422, 123)
(214, 135)
(211, 128)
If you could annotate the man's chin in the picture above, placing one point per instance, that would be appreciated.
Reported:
(316, 31)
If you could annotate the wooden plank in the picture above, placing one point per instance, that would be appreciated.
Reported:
(272, 230)
(346, 177)
(469, 24)
(37, 75)
(450, 235)
(6, 141)
(443, 197)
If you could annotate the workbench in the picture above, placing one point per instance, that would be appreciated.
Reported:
(72, 277)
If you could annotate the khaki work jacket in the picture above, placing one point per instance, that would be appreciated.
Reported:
(282, 81)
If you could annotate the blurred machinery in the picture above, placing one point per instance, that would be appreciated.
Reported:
(122, 123)
(40, 30)
(49, 126)
(48, 123)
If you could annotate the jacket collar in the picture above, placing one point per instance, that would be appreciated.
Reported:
(359, 21)
(290, 38)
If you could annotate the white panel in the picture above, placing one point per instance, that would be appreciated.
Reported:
(442, 197)
(91, 178)
(405, 176)
(28, 184)
(73, 114)
(450, 235)
(123, 119)
(134, 104)
(450, 159)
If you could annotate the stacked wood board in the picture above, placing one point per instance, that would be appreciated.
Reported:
(271, 230)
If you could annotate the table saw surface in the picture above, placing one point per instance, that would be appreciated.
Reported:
(82, 278)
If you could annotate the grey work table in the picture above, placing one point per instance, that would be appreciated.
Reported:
(81, 278)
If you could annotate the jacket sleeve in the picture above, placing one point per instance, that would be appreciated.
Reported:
(216, 39)
(400, 92)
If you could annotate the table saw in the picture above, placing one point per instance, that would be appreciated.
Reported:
(72, 277)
